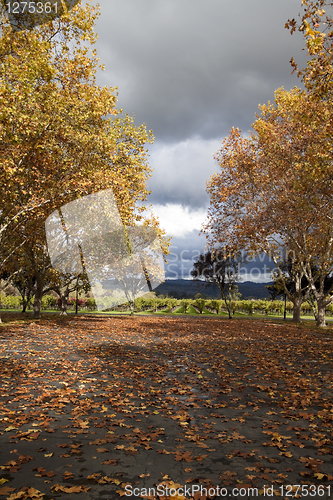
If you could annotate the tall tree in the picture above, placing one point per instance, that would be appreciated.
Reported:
(289, 279)
(316, 24)
(62, 136)
(296, 283)
(273, 191)
(221, 267)
(22, 281)
(64, 284)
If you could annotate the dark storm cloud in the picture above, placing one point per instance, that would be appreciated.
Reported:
(185, 251)
(191, 70)
(181, 171)
(195, 68)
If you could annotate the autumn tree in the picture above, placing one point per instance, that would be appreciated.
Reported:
(273, 191)
(29, 270)
(221, 267)
(316, 24)
(292, 273)
(23, 282)
(62, 136)
(278, 181)
(65, 284)
(289, 275)
(289, 279)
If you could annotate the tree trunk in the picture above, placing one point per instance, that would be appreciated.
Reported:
(37, 305)
(321, 313)
(26, 297)
(229, 307)
(38, 297)
(224, 299)
(297, 311)
(132, 308)
(63, 307)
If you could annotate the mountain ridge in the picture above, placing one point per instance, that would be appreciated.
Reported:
(188, 288)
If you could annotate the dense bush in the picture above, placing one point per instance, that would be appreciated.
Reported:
(248, 305)
(10, 302)
(139, 303)
(199, 304)
(49, 302)
(306, 308)
(91, 304)
(213, 305)
(185, 303)
(173, 304)
(82, 303)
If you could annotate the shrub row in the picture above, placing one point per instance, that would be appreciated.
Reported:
(142, 304)
(248, 307)
(48, 302)
(89, 304)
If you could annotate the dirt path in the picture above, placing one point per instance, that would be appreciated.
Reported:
(100, 406)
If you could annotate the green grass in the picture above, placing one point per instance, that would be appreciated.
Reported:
(180, 311)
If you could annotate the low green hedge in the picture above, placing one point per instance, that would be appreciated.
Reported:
(184, 306)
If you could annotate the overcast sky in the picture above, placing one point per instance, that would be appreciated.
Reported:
(191, 70)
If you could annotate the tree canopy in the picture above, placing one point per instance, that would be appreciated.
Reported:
(221, 267)
(62, 136)
(316, 24)
(273, 191)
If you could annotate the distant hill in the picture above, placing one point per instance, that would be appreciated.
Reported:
(189, 288)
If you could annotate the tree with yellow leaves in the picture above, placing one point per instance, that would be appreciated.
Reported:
(62, 136)
(273, 192)
(316, 24)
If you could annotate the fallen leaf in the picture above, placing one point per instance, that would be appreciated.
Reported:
(5, 490)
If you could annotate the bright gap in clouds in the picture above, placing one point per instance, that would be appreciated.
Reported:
(180, 173)
(178, 220)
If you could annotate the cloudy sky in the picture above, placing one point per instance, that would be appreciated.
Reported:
(190, 70)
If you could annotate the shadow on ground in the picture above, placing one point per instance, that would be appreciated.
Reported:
(100, 406)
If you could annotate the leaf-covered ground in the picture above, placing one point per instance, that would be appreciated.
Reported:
(90, 405)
